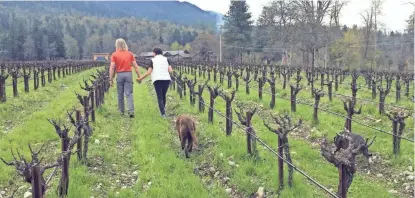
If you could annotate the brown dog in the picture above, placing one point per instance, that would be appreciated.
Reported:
(186, 128)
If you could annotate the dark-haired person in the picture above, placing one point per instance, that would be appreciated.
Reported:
(122, 62)
(160, 69)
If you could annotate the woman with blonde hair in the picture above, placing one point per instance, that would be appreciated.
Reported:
(122, 62)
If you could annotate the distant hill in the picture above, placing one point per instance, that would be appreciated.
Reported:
(182, 13)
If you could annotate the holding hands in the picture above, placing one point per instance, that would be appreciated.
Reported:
(141, 77)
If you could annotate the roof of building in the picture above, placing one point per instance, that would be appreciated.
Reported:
(100, 58)
(144, 54)
(181, 53)
(173, 53)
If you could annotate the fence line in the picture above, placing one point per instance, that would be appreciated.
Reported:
(272, 150)
(334, 113)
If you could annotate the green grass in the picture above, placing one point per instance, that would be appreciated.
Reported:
(141, 145)
(31, 119)
(16, 109)
(149, 146)
(330, 124)
(309, 158)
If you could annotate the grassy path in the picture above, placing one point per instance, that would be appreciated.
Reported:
(135, 157)
(127, 157)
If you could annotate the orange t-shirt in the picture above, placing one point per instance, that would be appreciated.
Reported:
(123, 60)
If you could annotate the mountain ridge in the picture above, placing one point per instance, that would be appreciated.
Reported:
(183, 13)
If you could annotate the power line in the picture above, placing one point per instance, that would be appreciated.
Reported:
(337, 114)
(351, 46)
(271, 150)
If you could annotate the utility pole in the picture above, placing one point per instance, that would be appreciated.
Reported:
(325, 58)
(220, 46)
(376, 33)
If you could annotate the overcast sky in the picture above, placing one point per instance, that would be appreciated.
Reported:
(395, 12)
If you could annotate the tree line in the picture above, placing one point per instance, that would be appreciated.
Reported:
(310, 33)
(182, 13)
(25, 36)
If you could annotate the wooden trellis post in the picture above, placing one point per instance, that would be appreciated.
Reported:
(398, 125)
(284, 127)
(284, 72)
(92, 97)
(280, 163)
(382, 96)
(311, 78)
(42, 76)
(200, 95)
(79, 132)
(236, 75)
(246, 121)
(293, 96)
(37, 191)
(349, 105)
(343, 178)
(248, 131)
(329, 85)
(317, 96)
(342, 154)
(214, 92)
(272, 82)
(35, 78)
(64, 181)
(228, 99)
(192, 96)
(3, 78)
(26, 76)
(261, 84)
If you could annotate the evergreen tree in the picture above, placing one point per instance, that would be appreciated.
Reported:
(60, 45)
(15, 41)
(176, 36)
(71, 47)
(38, 34)
(80, 35)
(237, 28)
(187, 38)
(21, 40)
(161, 39)
(55, 40)
(29, 48)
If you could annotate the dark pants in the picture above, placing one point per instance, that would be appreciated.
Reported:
(161, 87)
